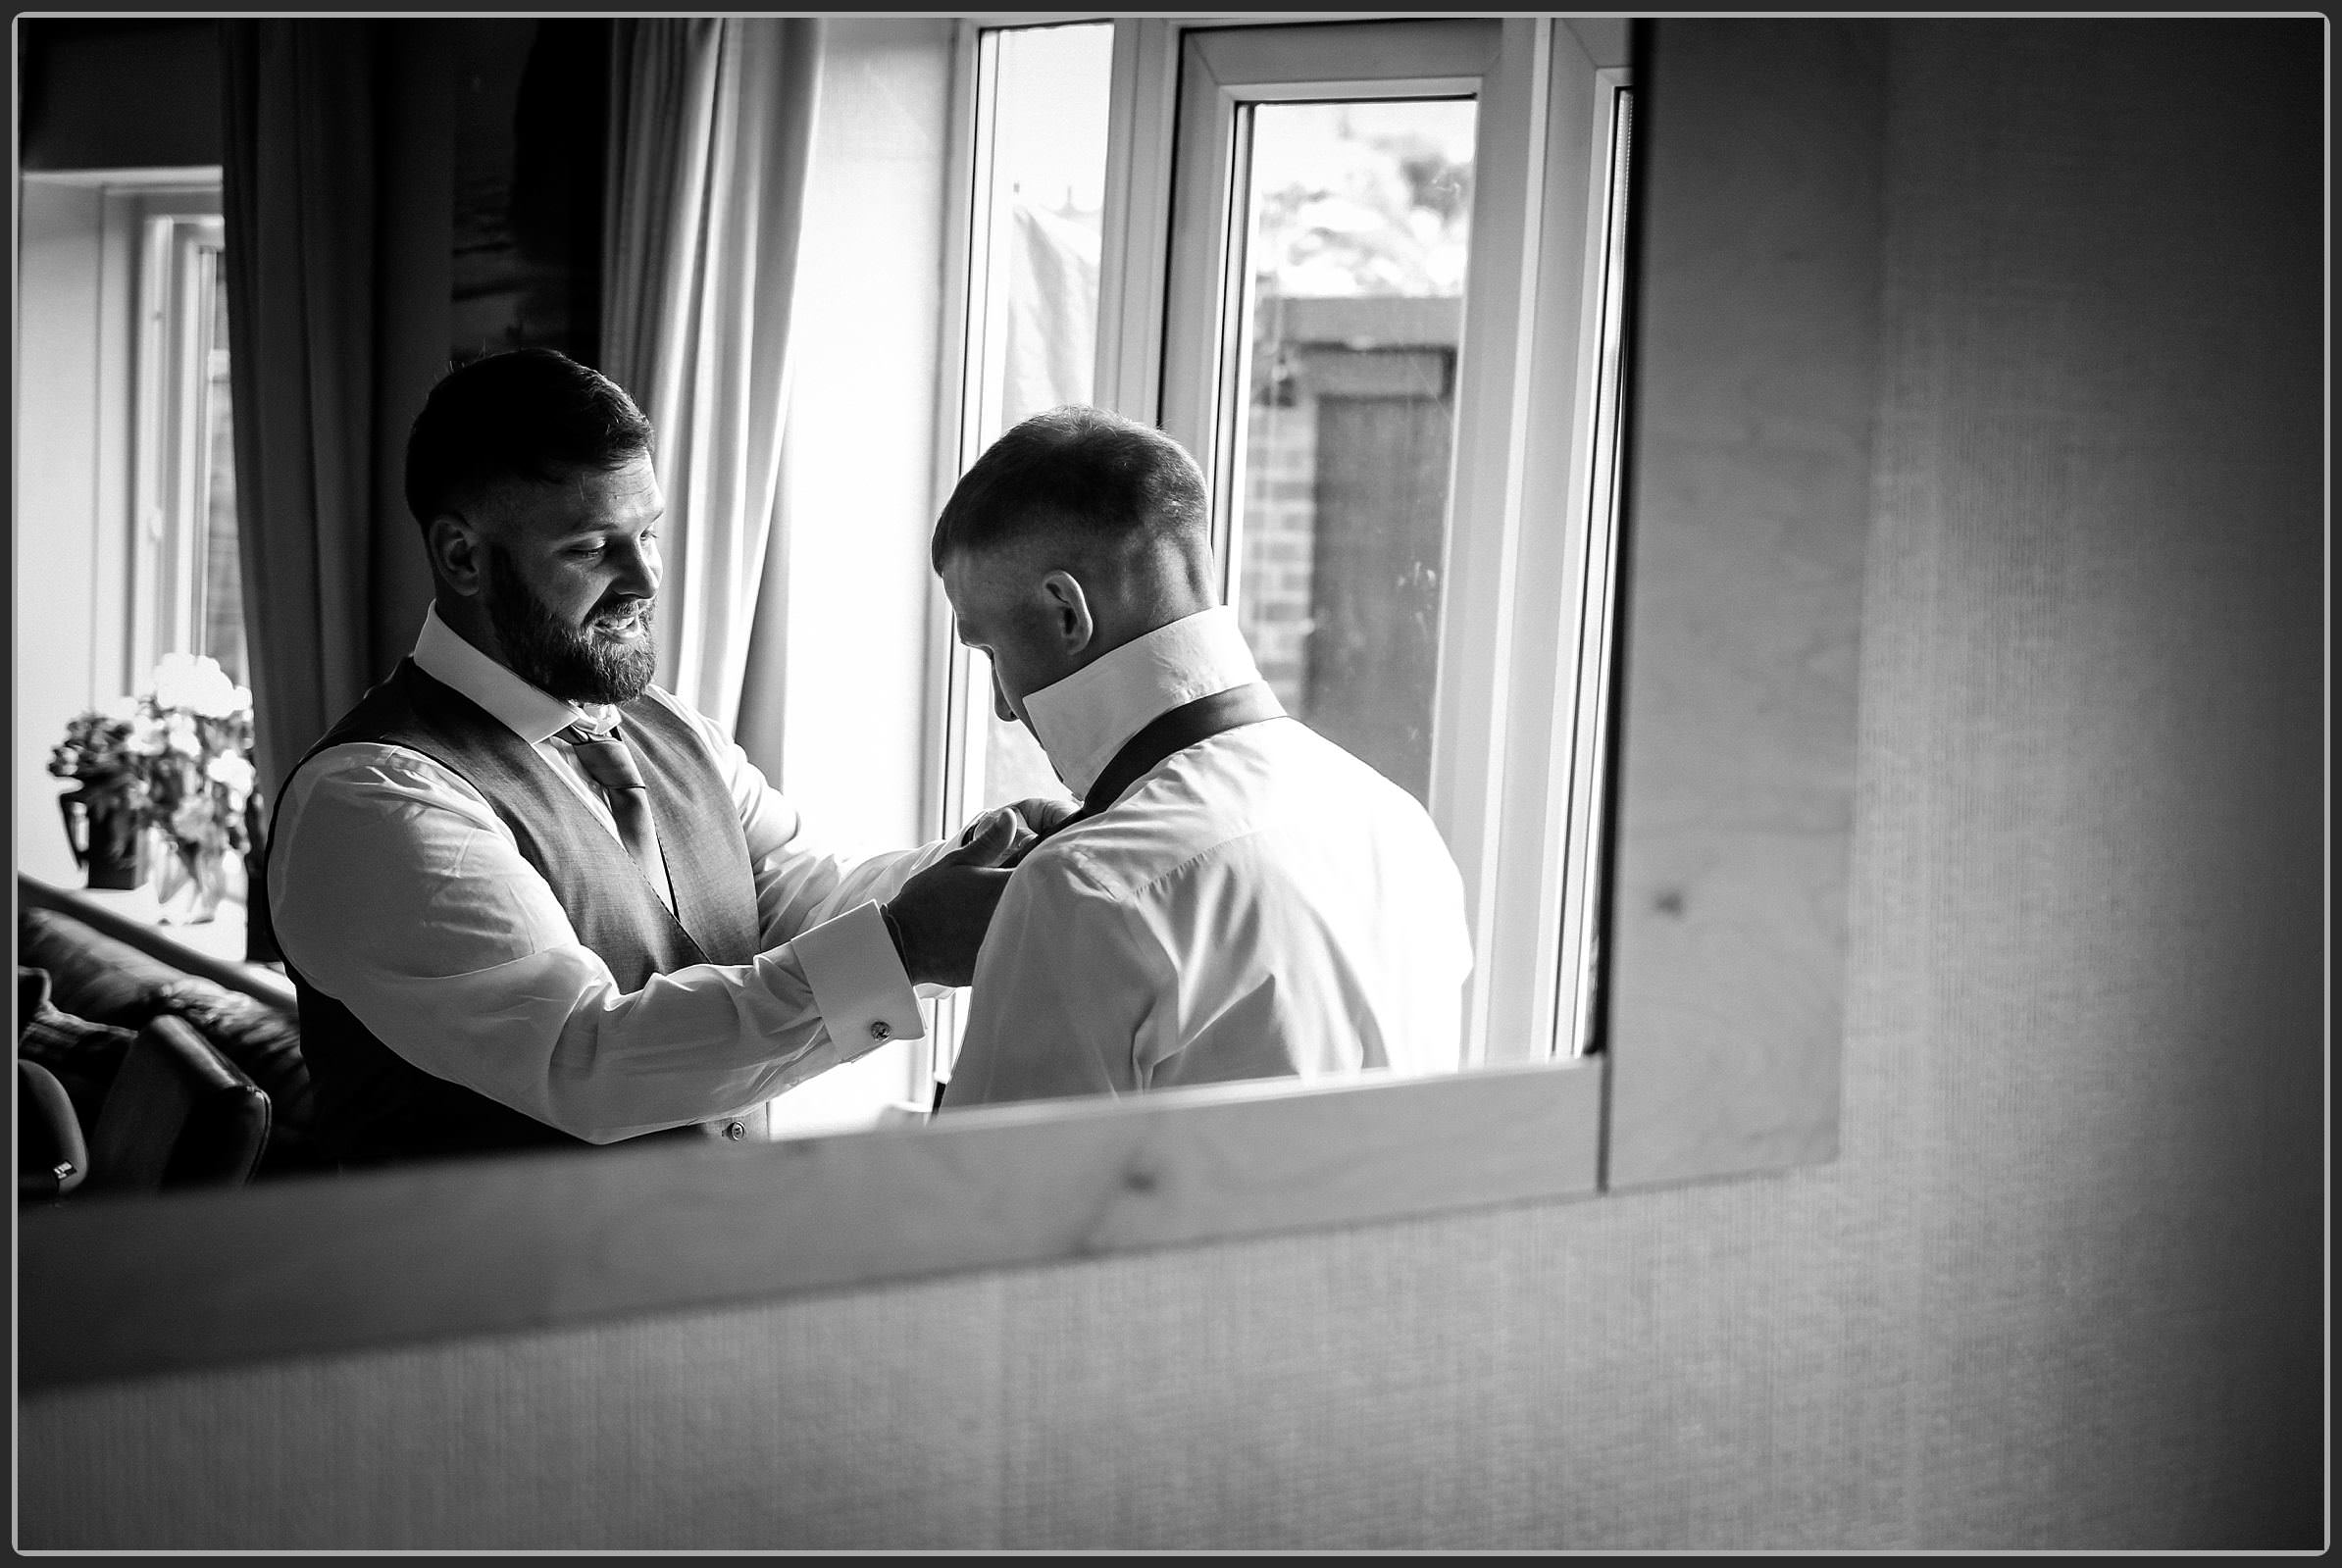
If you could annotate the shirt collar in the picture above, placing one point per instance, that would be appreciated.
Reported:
(536, 716)
(1083, 720)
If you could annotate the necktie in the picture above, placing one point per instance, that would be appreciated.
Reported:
(1190, 724)
(611, 765)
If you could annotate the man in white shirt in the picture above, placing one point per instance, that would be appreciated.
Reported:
(526, 897)
(1237, 897)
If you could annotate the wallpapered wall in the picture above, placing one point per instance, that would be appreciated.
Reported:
(2061, 1287)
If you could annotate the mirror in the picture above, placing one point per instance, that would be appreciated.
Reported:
(1364, 226)
(1027, 1183)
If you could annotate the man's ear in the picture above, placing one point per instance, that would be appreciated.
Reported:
(1070, 617)
(458, 554)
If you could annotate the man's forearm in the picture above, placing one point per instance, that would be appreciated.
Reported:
(553, 1037)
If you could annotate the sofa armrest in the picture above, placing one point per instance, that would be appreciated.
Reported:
(51, 1158)
(179, 1114)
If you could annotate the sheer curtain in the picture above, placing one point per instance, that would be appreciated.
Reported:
(711, 131)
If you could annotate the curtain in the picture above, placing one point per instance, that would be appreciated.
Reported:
(1052, 312)
(298, 195)
(711, 133)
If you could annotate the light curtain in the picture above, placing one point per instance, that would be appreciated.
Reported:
(298, 183)
(1052, 312)
(711, 132)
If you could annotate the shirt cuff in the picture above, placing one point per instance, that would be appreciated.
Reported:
(858, 982)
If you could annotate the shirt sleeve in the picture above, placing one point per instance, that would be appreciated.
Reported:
(1072, 991)
(804, 885)
(396, 890)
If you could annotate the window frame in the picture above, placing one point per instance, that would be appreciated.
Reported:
(958, 693)
(1506, 753)
(1520, 529)
(178, 255)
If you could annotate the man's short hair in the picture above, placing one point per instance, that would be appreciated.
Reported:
(529, 413)
(1080, 472)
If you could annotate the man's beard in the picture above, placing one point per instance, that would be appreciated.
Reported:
(572, 664)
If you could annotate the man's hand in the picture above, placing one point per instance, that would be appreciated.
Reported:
(940, 917)
(1041, 814)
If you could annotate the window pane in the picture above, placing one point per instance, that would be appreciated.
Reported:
(1034, 317)
(1359, 224)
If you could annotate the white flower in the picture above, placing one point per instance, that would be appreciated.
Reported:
(175, 672)
(179, 734)
(230, 770)
(196, 684)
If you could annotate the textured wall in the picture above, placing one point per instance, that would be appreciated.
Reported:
(2088, 930)
(2061, 1287)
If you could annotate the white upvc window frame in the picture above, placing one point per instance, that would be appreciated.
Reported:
(968, 402)
(178, 257)
(1516, 751)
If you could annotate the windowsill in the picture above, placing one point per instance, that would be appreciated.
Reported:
(222, 937)
(212, 948)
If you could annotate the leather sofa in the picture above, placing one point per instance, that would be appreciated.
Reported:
(170, 1079)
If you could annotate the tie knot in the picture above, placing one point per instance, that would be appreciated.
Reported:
(608, 762)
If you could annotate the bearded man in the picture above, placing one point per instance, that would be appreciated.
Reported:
(526, 896)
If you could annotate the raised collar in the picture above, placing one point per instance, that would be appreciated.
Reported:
(1083, 720)
(536, 716)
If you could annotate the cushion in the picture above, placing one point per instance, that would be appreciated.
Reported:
(84, 1056)
(179, 1114)
(91, 975)
(265, 1044)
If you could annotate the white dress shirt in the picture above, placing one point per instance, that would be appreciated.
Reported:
(1261, 904)
(397, 890)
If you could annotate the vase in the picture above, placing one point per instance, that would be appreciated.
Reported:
(105, 839)
(192, 882)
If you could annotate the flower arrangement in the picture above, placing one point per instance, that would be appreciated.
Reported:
(178, 760)
(105, 814)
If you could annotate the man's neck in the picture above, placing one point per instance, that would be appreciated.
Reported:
(468, 618)
(1082, 719)
(447, 656)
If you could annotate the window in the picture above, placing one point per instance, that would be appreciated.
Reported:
(1366, 273)
(1035, 150)
(1347, 299)
(186, 587)
(125, 542)
(1036, 218)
